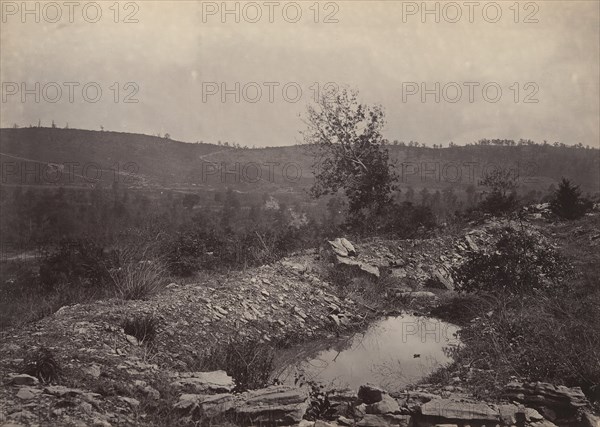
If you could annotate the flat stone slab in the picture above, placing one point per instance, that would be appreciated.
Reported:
(215, 382)
(273, 405)
(451, 409)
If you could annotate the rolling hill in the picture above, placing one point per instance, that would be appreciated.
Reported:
(73, 157)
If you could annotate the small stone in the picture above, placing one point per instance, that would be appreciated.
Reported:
(25, 394)
(93, 371)
(532, 415)
(132, 340)
(134, 403)
(23, 379)
(345, 421)
(86, 407)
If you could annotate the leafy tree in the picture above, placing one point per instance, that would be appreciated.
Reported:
(567, 201)
(350, 152)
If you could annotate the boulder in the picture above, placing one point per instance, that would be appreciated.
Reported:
(451, 409)
(370, 394)
(272, 405)
(387, 405)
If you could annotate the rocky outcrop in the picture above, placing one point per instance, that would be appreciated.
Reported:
(545, 394)
(273, 405)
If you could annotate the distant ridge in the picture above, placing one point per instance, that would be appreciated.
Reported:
(155, 161)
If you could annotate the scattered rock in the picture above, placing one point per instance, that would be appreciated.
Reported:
(93, 371)
(417, 295)
(134, 403)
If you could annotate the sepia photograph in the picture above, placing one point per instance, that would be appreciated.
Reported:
(349, 213)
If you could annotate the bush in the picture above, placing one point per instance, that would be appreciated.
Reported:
(139, 273)
(78, 263)
(496, 203)
(405, 219)
(567, 201)
(43, 365)
(520, 262)
(249, 363)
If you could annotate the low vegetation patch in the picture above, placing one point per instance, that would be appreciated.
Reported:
(44, 365)
(527, 314)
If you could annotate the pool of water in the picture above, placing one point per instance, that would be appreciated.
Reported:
(390, 353)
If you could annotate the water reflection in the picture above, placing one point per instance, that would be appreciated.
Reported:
(391, 353)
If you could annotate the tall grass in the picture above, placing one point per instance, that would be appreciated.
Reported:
(139, 274)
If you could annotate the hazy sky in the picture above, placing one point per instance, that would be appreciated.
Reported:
(180, 55)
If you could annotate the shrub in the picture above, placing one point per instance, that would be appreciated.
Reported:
(520, 262)
(498, 204)
(567, 201)
(249, 363)
(75, 263)
(406, 220)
